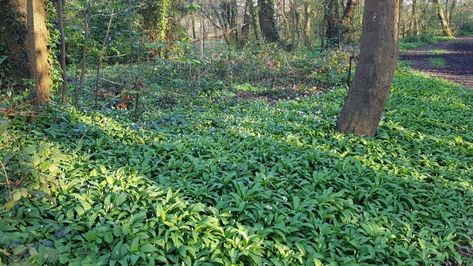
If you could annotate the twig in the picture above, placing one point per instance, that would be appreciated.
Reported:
(6, 177)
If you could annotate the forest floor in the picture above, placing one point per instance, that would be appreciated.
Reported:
(452, 60)
(237, 161)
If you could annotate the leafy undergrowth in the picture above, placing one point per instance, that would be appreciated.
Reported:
(243, 183)
(413, 42)
(218, 74)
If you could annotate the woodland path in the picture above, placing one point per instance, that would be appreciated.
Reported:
(452, 60)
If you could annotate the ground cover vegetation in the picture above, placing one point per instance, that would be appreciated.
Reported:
(165, 132)
(244, 181)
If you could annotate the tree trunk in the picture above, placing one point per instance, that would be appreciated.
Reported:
(194, 34)
(332, 25)
(13, 38)
(452, 10)
(230, 13)
(447, 31)
(164, 24)
(63, 51)
(33, 51)
(84, 55)
(414, 20)
(101, 54)
(368, 94)
(293, 23)
(348, 14)
(253, 18)
(245, 29)
(307, 25)
(287, 31)
(202, 36)
(267, 21)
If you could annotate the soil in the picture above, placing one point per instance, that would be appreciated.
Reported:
(452, 60)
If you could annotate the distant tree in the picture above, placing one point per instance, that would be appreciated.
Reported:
(348, 14)
(414, 25)
(85, 47)
(267, 20)
(447, 31)
(307, 28)
(368, 94)
(332, 23)
(60, 14)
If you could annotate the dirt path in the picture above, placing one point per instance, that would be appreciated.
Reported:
(451, 60)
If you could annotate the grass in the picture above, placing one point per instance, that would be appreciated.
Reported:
(414, 42)
(242, 182)
(439, 51)
(437, 62)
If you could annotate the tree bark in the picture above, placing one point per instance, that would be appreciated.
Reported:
(13, 38)
(35, 45)
(63, 51)
(368, 94)
(447, 31)
(267, 21)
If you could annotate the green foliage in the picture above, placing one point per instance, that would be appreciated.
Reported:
(217, 74)
(437, 62)
(416, 41)
(242, 182)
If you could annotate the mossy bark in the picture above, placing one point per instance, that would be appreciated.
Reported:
(26, 41)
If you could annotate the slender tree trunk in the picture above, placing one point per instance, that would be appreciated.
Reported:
(348, 14)
(452, 9)
(63, 51)
(194, 34)
(447, 31)
(307, 25)
(294, 24)
(423, 14)
(245, 29)
(368, 94)
(83, 63)
(231, 14)
(287, 31)
(164, 24)
(267, 21)
(332, 25)
(414, 28)
(37, 42)
(202, 36)
(447, 12)
(253, 18)
(101, 53)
